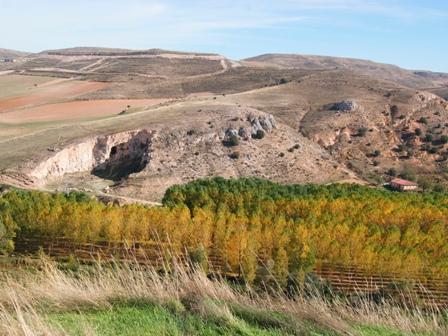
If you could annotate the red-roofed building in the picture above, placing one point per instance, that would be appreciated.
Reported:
(403, 185)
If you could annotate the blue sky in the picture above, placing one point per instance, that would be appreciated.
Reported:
(409, 33)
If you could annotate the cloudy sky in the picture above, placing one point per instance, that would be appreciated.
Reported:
(410, 33)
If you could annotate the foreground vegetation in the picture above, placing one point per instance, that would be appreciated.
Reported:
(255, 226)
(128, 299)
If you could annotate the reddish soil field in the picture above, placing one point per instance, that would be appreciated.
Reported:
(54, 92)
(74, 110)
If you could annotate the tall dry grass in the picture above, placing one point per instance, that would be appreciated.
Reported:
(26, 299)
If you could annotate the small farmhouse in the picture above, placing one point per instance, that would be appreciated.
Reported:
(403, 185)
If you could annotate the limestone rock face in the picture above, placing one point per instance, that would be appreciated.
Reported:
(118, 155)
(231, 132)
(245, 133)
(88, 154)
(262, 123)
(127, 157)
(345, 106)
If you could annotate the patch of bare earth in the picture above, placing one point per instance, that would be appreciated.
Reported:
(51, 93)
(75, 110)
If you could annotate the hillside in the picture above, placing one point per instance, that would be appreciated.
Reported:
(12, 53)
(132, 123)
(95, 51)
(415, 79)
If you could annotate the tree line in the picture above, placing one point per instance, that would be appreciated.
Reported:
(257, 227)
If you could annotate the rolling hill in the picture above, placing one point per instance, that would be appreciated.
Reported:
(126, 122)
(415, 79)
(12, 53)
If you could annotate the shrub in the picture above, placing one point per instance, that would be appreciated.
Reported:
(444, 139)
(439, 188)
(232, 141)
(376, 153)
(394, 110)
(392, 172)
(418, 132)
(7, 228)
(425, 183)
(401, 148)
(362, 131)
(259, 135)
(235, 155)
(428, 138)
(409, 173)
(423, 120)
(432, 150)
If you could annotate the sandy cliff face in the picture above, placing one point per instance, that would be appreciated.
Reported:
(87, 155)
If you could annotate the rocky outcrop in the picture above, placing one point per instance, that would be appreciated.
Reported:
(126, 158)
(98, 151)
(265, 123)
(345, 106)
(331, 138)
(262, 123)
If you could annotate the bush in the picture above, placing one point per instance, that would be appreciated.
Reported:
(362, 131)
(409, 174)
(235, 155)
(428, 138)
(259, 135)
(432, 150)
(423, 120)
(376, 153)
(425, 183)
(394, 110)
(401, 148)
(444, 139)
(392, 172)
(232, 141)
(7, 228)
(439, 188)
(418, 132)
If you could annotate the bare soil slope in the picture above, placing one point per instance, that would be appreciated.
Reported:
(285, 117)
(416, 79)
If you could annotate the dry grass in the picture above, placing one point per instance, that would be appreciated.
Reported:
(27, 298)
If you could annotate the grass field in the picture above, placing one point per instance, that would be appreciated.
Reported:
(140, 318)
(129, 299)
(149, 319)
